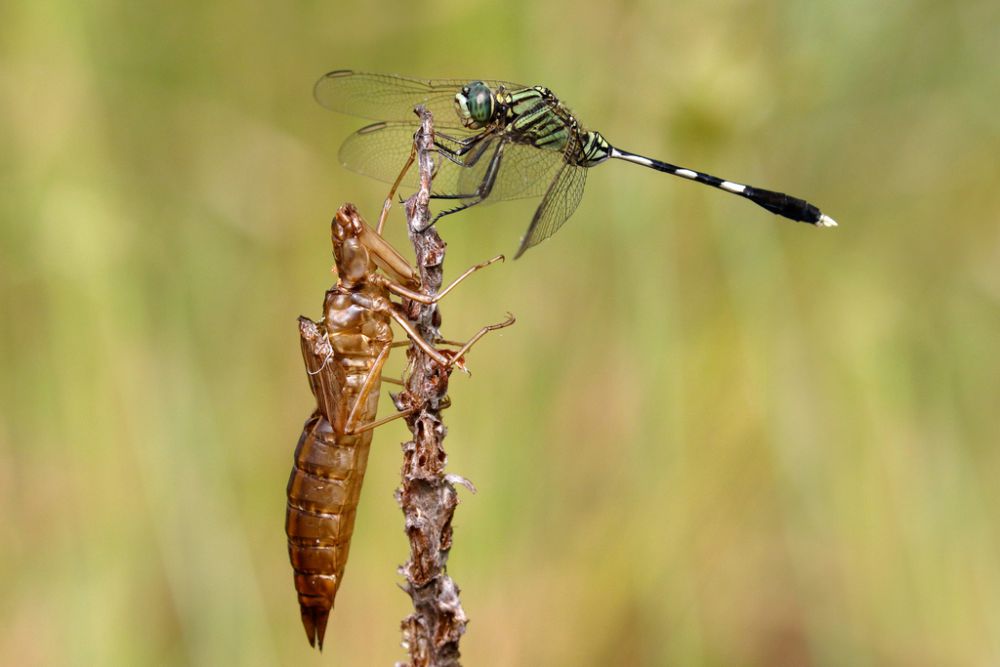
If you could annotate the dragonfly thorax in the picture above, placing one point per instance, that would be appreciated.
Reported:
(475, 105)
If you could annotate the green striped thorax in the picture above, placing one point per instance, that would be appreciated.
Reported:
(533, 116)
(475, 105)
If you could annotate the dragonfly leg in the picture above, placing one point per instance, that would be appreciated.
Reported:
(481, 193)
(486, 185)
(461, 141)
(383, 305)
(448, 359)
(374, 374)
(457, 155)
(445, 404)
(392, 191)
(459, 353)
(385, 420)
(401, 290)
(465, 144)
(453, 154)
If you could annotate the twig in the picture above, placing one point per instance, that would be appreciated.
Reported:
(432, 632)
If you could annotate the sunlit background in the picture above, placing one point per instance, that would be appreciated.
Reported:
(714, 437)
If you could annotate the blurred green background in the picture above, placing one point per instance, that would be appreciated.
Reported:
(714, 437)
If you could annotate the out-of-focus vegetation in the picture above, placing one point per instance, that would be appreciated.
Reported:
(713, 438)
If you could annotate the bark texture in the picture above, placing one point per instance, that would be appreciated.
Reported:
(427, 496)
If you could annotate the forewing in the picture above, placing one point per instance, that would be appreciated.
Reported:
(380, 150)
(392, 98)
(560, 201)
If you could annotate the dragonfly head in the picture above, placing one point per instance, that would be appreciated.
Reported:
(475, 105)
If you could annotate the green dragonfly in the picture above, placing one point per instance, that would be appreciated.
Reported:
(498, 141)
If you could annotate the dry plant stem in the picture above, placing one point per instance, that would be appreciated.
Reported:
(432, 632)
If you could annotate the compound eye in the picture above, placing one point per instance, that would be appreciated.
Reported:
(481, 102)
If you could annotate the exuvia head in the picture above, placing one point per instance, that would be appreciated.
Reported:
(475, 105)
(350, 254)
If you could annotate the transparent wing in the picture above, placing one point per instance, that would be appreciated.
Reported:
(560, 201)
(388, 97)
(525, 171)
(380, 150)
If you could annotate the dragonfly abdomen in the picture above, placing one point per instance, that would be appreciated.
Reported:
(778, 203)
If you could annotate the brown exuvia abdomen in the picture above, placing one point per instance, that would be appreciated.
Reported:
(323, 493)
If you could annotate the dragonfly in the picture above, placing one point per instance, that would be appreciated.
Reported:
(499, 141)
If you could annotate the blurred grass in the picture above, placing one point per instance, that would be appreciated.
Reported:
(712, 438)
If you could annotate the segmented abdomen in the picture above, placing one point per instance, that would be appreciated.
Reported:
(323, 493)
